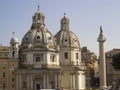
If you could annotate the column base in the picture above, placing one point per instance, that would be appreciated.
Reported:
(103, 88)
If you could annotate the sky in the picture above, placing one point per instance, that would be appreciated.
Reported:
(85, 17)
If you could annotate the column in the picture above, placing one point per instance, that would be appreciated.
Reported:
(58, 80)
(31, 81)
(17, 81)
(61, 83)
(73, 80)
(28, 76)
(20, 81)
(55, 80)
(44, 81)
(47, 81)
(101, 39)
(81, 80)
(76, 80)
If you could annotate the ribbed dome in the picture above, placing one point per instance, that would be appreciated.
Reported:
(38, 37)
(65, 37)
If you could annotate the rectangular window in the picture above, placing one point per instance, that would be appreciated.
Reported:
(37, 59)
(3, 74)
(76, 55)
(52, 58)
(13, 72)
(12, 86)
(12, 79)
(0, 55)
(66, 55)
(4, 85)
(24, 58)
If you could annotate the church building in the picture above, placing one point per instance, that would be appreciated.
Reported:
(43, 61)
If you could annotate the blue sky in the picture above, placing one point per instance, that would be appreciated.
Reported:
(85, 17)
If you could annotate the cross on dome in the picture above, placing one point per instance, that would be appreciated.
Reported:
(64, 14)
(13, 34)
(101, 29)
(38, 10)
(38, 7)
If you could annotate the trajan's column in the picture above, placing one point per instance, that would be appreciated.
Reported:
(101, 39)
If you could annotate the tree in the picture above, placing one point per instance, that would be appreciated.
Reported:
(116, 61)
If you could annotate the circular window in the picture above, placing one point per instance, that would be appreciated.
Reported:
(75, 40)
(65, 40)
(38, 37)
(26, 38)
(49, 38)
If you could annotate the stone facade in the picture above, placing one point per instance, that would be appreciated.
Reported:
(91, 62)
(113, 76)
(8, 68)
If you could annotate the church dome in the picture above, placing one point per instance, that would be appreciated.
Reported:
(65, 37)
(38, 36)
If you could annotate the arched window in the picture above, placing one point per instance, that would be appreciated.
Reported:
(38, 21)
(76, 55)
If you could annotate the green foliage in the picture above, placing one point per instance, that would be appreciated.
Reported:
(116, 61)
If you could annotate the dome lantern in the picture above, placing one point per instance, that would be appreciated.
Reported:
(64, 23)
(38, 19)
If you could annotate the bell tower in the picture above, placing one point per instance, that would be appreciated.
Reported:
(14, 47)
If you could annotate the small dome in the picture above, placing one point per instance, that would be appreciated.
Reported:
(14, 40)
